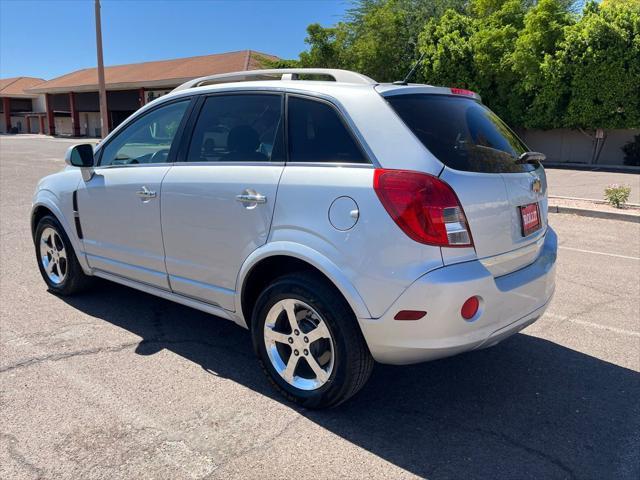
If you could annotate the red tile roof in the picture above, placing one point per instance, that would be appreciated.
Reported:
(165, 73)
(16, 86)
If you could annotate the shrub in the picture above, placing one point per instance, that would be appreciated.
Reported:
(632, 152)
(617, 195)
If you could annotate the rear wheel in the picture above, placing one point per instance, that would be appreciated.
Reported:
(57, 261)
(308, 342)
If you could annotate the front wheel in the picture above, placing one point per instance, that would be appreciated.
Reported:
(308, 341)
(57, 261)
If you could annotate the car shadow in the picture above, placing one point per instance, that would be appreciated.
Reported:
(527, 408)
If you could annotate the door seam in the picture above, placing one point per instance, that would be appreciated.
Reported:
(164, 250)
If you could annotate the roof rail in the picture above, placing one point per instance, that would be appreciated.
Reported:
(344, 76)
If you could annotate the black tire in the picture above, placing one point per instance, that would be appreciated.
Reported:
(75, 280)
(352, 364)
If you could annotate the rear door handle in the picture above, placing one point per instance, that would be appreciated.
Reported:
(251, 198)
(145, 194)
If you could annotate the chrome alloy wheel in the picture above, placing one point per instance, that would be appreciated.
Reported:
(299, 344)
(53, 256)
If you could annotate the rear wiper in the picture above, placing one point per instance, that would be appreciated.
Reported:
(531, 157)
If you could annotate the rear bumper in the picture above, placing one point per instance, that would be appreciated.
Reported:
(509, 303)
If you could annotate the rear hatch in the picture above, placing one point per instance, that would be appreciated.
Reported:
(502, 198)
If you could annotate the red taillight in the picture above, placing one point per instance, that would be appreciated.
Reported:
(462, 91)
(470, 308)
(423, 206)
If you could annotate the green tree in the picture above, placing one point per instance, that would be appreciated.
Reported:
(537, 63)
(327, 46)
(377, 37)
(544, 26)
(448, 52)
(475, 52)
(493, 44)
(381, 46)
(593, 80)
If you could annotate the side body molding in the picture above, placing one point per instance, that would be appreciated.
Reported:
(310, 256)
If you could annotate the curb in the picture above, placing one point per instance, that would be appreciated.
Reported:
(592, 167)
(584, 212)
(592, 200)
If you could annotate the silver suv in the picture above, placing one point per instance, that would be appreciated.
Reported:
(341, 221)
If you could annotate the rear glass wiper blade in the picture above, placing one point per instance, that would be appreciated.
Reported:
(531, 157)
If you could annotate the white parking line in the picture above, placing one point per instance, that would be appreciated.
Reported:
(584, 323)
(598, 253)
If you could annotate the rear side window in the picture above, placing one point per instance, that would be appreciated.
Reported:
(238, 128)
(317, 134)
(461, 132)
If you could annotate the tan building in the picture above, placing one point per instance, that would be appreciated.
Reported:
(72, 104)
(21, 111)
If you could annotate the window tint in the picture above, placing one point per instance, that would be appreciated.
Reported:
(238, 128)
(148, 139)
(317, 134)
(461, 133)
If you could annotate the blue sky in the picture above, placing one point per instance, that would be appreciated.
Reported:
(50, 38)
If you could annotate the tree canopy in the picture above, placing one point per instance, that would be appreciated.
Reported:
(537, 63)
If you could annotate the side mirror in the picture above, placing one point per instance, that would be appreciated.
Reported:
(80, 156)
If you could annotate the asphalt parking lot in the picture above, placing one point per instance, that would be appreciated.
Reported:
(116, 383)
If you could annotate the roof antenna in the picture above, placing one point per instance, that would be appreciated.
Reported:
(411, 72)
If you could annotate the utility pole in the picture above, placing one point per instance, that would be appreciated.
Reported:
(104, 115)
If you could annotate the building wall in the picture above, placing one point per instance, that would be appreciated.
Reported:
(60, 102)
(90, 124)
(88, 102)
(20, 123)
(63, 125)
(121, 103)
(21, 105)
(573, 146)
(34, 125)
(38, 104)
(123, 100)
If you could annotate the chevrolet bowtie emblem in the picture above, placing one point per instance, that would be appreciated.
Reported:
(536, 185)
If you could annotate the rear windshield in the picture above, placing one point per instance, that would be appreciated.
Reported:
(461, 132)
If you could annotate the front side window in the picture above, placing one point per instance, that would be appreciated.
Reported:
(146, 140)
(238, 128)
(461, 132)
(317, 134)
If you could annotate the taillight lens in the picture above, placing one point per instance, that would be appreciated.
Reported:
(423, 206)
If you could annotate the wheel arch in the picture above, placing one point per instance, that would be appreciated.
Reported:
(37, 213)
(275, 260)
(45, 204)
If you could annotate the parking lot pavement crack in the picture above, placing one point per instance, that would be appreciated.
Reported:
(503, 438)
(12, 447)
(62, 356)
(248, 451)
(533, 451)
(589, 309)
(114, 349)
(12, 336)
(597, 288)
